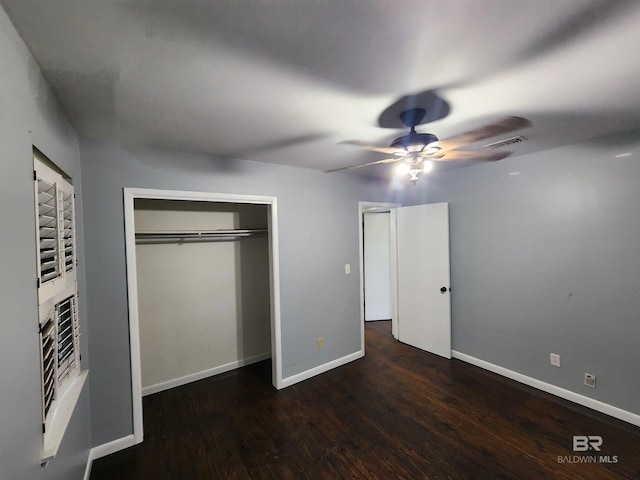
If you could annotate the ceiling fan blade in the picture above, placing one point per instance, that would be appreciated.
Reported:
(481, 156)
(352, 167)
(371, 148)
(506, 125)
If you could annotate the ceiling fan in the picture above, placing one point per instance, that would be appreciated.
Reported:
(417, 151)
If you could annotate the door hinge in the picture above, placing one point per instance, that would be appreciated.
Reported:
(37, 283)
(44, 429)
(35, 175)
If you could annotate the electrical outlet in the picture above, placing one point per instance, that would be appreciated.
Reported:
(320, 343)
(347, 268)
(554, 359)
(590, 380)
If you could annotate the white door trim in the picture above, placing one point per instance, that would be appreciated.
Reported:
(390, 207)
(130, 194)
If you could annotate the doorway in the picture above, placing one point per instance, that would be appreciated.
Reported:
(420, 274)
(130, 197)
(388, 211)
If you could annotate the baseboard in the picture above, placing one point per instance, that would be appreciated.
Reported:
(312, 372)
(588, 402)
(192, 377)
(107, 449)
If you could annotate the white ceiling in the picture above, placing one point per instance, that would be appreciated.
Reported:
(283, 81)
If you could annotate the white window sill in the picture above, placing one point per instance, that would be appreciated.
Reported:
(61, 416)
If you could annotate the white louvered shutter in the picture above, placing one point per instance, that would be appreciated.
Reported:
(66, 215)
(66, 342)
(48, 362)
(48, 227)
(55, 230)
(57, 287)
(60, 350)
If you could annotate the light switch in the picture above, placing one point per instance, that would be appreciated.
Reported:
(347, 268)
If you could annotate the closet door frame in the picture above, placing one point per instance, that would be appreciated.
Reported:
(130, 195)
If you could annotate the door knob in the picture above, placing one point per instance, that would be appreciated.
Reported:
(443, 290)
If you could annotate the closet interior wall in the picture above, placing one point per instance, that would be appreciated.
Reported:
(204, 306)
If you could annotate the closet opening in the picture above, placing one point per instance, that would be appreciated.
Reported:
(203, 288)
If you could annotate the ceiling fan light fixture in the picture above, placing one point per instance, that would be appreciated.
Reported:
(413, 142)
(413, 175)
(414, 169)
(431, 149)
(403, 168)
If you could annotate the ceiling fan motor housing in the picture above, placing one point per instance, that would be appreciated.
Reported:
(414, 141)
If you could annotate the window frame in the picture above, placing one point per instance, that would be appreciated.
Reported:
(52, 294)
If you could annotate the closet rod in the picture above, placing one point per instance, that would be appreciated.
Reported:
(204, 236)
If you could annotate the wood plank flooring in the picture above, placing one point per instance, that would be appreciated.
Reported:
(398, 413)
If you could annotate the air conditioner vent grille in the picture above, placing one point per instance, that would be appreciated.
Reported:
(505, 142)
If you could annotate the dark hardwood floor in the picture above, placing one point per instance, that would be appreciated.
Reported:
(397, 413)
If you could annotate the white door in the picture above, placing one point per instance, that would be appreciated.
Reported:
(377, 266)
(424, 303)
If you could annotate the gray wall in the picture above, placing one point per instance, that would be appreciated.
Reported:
(29, 115)
(548, 260)
(318, 233)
